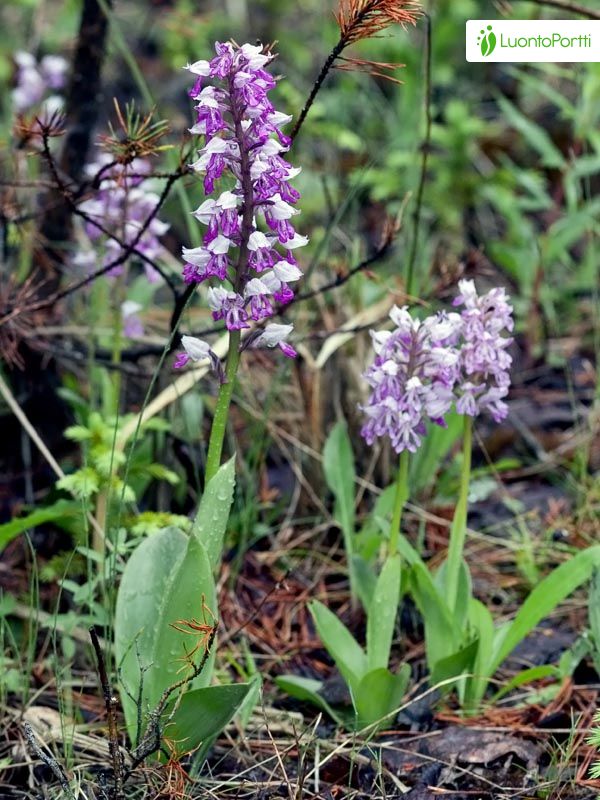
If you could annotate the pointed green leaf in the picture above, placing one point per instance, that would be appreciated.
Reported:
(163, 581)
(379, 695)
(366, 580)
(211, 520)
(441, 635)
(193, 582)
(146, 581)
(456, 664)
(338, 465)
(348, 655)
(381, 619)
(552, 590)
(202, 714)
(59, 510)
(482, 623)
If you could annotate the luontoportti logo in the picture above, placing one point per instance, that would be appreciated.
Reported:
(487, 41)
(532, 40)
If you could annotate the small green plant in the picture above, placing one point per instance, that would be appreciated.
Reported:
(165, 628)
(375, 690)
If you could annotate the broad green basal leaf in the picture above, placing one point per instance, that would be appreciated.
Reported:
(211, 520)
(202, 714)
(163, 582)
(378, 695)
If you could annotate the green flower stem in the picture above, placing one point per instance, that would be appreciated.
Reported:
(219, 425)
(458, 531)
(399, 502)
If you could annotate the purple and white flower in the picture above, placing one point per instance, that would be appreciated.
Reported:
(249, 238)
(422, 368)
(484, 364)
(34, 82)
(122, 205)
(411, 379)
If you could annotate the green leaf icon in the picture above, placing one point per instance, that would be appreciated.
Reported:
(488, 42)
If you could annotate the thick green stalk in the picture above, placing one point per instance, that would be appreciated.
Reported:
(458, 531)
(399, 502)
(219, 425)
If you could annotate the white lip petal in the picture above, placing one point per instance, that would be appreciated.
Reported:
(205, 210)
(227, 200)
(198, 256)
(220, 245)
(279, 118)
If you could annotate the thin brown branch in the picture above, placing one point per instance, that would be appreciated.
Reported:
(128, 249)
(573, 8)
(357, 20)
(111, 704)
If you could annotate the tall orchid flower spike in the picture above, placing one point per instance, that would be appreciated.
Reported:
(247, 249)
(484, 364)
(411, 378)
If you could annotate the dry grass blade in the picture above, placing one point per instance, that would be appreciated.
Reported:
(363, 19)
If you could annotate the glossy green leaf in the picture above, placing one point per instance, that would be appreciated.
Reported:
(366, 580)
(202, 714)
(527, 676)
(338, 466)
(441, 635)
(163, 582)
(57, 511)
(348, 655)
(482, 623)
(381, 619)
(456, 664)
(192, 584)
(551, 591)
(211, 520)
(378, 695)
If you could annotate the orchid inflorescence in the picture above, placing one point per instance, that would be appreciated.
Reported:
(243, 141)
(122, 205)
(422, 368)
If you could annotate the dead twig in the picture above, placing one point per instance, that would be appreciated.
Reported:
(48, 760)
(111, 704)
(573, 8)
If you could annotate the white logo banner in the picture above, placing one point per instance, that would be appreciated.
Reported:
(558, 40)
